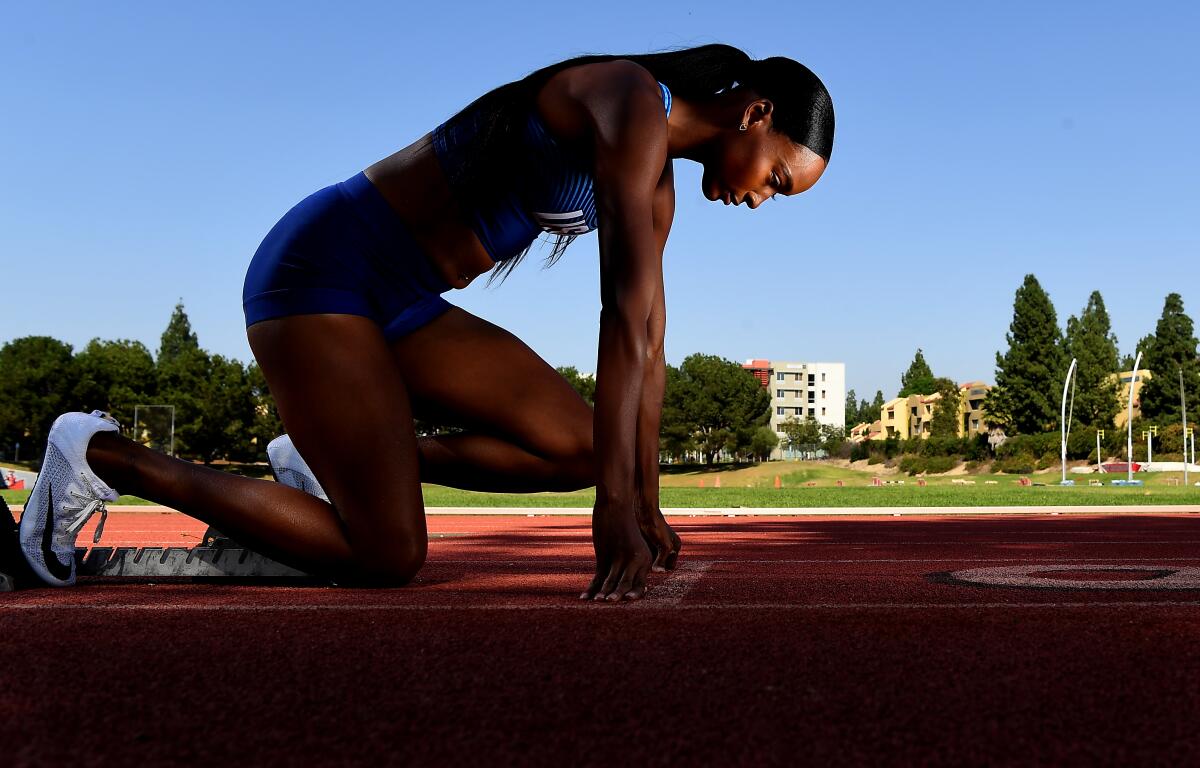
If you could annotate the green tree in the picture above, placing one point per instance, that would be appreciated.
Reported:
(182, 370)
(267, 424)
(763, 442)
(945, 413)
(226, 413)
(802, 433)
(832, 439)
(1172, 350)
(1029, 375)
(918, 379)
(114, 376)
(1090, 340)
(852, 409)
(712, 399)
(37, 375)
(585, 385)
(877, 404)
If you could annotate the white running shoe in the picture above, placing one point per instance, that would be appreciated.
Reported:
(289, 467)
(65, 496)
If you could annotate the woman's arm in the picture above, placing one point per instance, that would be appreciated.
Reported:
(658, 534)
(619, 105)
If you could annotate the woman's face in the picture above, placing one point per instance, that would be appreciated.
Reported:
(753, 165)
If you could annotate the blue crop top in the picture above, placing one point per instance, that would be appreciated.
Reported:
(556, 195)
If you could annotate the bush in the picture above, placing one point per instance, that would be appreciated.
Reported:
(875, 458)
(859, 452)
(915, 465)
(1020, 464)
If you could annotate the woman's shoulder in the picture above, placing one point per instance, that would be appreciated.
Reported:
(607, 96)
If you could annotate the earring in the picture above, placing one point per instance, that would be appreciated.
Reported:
(742, 127)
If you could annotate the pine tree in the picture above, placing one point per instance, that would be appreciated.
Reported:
(178, 338)
(918, 379)
(1091, 342)
(853, 417)
(1029, 376)
(877, 405)
(1172, 350)
(183, 371)
(945, 414)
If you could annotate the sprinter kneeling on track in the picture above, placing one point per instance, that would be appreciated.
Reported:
(345, 316)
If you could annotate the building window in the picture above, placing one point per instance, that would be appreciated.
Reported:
(822, 411)
(799, 411)
(812, 411)
(812, 378)
(822, 377)
(779, 410)
(779, 393)
(822, 394)
(779, 377)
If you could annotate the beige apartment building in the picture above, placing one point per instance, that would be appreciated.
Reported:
(906, 418)
(1127, 384)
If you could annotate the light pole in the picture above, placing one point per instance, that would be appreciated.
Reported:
(1129, 420)
(1183, 404)
(1099, 466)
(1148, 433)
(1064, 423)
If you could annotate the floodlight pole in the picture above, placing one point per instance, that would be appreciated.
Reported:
(1149, 433)
(1064, 427)
(1183, 405)
(1099, 466)
(1129, 419)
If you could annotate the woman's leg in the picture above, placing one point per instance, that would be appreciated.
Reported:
(526, 428)
(342, 398)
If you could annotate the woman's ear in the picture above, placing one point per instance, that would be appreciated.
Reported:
(757, 111)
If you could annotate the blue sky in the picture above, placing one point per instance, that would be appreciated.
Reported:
(149, 147)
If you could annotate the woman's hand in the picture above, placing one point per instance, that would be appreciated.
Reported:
(664, 543)
(622, 556)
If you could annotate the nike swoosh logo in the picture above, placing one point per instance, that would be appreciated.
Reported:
(53, 564)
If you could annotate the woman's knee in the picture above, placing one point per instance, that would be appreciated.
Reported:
(388, 566)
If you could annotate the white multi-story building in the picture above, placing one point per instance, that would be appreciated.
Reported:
(802, 391)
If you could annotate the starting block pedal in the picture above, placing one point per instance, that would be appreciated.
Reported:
(225, 560)
(180, 562)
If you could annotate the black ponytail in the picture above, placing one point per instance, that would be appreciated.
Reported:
(803, 111)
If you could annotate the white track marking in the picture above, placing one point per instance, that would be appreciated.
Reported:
(581, 605)
(676, 586)
(1175, 577)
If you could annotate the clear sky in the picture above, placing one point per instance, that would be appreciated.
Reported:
(147, 148)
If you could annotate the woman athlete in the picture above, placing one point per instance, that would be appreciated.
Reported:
(346, 319)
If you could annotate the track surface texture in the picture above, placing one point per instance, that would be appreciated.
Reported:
(777, 641)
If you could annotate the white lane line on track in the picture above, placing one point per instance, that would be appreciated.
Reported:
(582, 606)
(676, 586)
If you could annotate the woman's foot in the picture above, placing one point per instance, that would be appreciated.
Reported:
(290, 468)
(65, 496)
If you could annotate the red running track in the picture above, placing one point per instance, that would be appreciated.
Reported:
(778, 641)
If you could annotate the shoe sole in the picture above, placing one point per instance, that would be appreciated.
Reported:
(40, 571)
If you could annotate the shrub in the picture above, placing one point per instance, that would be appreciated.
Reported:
(875, 458)
(938, 464)
(859, 452)
(1020, 464)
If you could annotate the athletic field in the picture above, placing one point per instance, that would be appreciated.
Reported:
(951, 638)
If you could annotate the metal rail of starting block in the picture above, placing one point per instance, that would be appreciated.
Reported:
(180, 562)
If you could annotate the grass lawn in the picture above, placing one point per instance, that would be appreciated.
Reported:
(753, 486)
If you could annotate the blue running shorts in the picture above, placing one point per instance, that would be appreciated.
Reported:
(343, 249)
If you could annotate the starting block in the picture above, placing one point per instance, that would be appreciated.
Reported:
(217, 558)
(180, 562)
